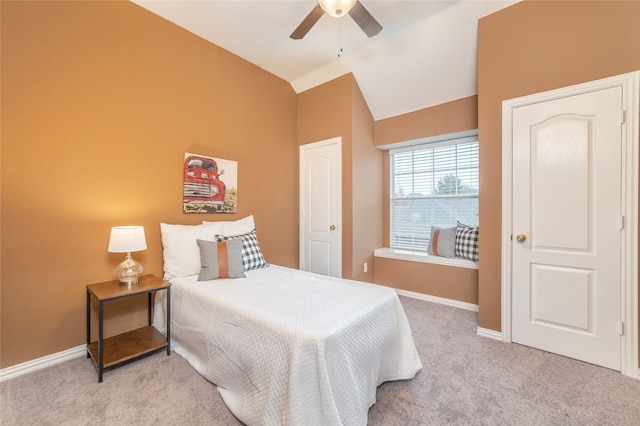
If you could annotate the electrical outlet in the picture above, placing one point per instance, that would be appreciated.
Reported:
(365, 266)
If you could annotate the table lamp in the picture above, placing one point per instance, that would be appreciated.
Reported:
(125, 239)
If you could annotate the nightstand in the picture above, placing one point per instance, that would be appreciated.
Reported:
(118, 349)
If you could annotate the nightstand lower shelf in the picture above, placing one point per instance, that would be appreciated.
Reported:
(127, 346)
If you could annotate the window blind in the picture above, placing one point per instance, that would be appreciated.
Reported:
(433, 184)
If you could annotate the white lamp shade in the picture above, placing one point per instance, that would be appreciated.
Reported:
(337, 8)
(125, 239)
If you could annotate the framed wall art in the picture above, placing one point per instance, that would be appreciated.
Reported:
(210, 184)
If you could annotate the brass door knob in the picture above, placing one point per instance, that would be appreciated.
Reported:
(521, 238)
(332, 227)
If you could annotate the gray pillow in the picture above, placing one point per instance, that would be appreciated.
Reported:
(220, 259)
(443, 241)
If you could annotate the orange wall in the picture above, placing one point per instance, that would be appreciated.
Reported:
(337, 108)
(100, 101)
(324, 112)
(527, 48)
(436, 280)
(450, 117)
(367, 189)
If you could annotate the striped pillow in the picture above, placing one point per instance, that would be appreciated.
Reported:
(220, 260)
(443, 241)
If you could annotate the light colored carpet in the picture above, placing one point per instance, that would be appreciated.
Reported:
(466, 380)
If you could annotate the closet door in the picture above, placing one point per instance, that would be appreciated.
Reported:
(568, 226)
(321, 207)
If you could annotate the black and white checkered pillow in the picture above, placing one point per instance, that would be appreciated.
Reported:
(251, 254)
(467, 242)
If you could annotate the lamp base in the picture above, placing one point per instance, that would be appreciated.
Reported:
(132, 281)
(128, 271)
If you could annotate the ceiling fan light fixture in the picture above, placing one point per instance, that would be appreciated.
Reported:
(337, 8)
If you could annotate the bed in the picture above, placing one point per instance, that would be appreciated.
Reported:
(288, 347)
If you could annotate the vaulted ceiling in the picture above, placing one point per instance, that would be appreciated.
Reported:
(424, 56)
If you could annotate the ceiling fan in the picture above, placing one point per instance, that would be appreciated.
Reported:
(339, 8)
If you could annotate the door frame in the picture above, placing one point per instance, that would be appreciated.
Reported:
(630, 84)
(303, 148)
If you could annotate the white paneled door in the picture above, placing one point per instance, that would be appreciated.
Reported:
(567, 226)
(320, 207)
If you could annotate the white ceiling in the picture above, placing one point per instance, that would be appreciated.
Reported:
(424, 56)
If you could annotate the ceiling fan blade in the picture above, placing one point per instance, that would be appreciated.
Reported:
(307, 23)
(365, 21)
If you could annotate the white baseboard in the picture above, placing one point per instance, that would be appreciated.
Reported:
(40, 363)
(484, 332)
(491, 334)
(435, 299)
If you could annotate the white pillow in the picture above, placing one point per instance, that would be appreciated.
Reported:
(180, 251)
(236, 227)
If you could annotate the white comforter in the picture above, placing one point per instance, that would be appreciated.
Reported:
(287, 347)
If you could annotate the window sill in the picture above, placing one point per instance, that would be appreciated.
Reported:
(420, 256)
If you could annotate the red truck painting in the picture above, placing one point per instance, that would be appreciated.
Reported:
(203, 189)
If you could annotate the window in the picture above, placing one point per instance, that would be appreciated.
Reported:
(432, 184)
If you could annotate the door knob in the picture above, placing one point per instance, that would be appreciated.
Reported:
(332, 227)
(521, 238)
